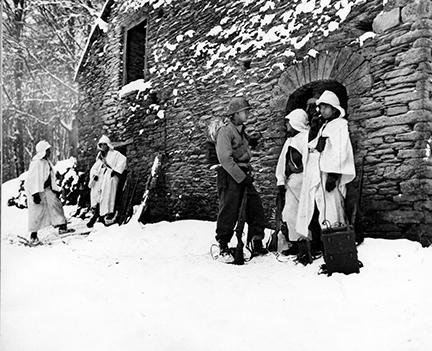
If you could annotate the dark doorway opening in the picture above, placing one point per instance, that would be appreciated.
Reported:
(300, 97)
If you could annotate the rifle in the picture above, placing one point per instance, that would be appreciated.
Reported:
(238, 255)
(128, 211)
(272, 244)
(354, 220)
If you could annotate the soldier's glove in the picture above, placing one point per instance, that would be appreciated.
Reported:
(321, 143)
(248, 180)
(36, 198)
(332, 179)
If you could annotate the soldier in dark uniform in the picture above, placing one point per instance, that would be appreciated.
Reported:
(235, 175)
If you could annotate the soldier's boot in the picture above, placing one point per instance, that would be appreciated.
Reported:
(304, 255)
(94, 218)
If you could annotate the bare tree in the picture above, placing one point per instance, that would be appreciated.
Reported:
(42, 43)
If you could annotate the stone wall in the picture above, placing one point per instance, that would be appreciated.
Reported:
(397, 123)
(387, 81)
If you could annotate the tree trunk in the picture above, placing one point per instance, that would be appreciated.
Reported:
(18, 74)
(74, 138)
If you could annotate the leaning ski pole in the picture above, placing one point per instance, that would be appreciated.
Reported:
(238, 255)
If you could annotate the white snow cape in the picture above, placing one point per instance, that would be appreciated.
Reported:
(50, 210)
(103, 191)
(293, 184)
(337, 157)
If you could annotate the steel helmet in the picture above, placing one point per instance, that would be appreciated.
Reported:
(238, 104)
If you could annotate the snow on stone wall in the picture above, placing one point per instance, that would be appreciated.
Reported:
(201, 53)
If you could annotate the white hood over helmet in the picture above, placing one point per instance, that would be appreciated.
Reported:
(105, 140)
(41, 148)
(330, 98)
(298, 119)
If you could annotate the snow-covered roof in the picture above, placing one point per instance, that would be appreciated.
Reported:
(99, 23)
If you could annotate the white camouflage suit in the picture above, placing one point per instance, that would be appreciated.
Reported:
(337, 157)
(50, 210)
(103, 190)
(293, 184)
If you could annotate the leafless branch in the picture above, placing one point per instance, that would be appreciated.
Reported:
(68, 127)
(52, 24)
(30, 134)
(37, 119)
(50, 74)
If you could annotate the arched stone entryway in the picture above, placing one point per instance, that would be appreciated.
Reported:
(345, 66)
(299, 98)
(346, 73)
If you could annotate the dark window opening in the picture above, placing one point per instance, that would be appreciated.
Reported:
(134, 53)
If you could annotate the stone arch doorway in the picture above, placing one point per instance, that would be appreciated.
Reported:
(346, 72)
(345, 68)
(300, 97)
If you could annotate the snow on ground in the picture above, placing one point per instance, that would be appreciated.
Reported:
(155, 287)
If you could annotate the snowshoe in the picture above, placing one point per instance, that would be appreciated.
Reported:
(283, 258)
(63, 231)
(76, 233)
(221, 255)
(30, 243)
(227, 254)
(35, 242)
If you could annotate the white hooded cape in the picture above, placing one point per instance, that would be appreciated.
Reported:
(337, 157)
(50, 210)
(293, 184)
(103, 191)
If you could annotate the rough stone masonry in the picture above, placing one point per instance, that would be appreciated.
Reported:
(198, 54)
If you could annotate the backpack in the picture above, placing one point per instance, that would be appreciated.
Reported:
(210, 144)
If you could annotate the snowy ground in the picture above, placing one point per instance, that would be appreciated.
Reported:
(156, 288)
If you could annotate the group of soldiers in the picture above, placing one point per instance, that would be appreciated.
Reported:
(44, 205)
(315, 164)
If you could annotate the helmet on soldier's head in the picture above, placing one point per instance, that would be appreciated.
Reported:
(238, 104)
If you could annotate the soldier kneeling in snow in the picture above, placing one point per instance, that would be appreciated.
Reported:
(44, 206)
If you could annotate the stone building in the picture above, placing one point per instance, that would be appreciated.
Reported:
(155, 72)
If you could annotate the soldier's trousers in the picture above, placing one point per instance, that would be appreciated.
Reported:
(230, 197)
